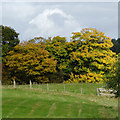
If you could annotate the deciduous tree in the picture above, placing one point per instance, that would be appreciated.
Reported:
(113, 78)
(93, 58)
(30, 61)
(9, 39)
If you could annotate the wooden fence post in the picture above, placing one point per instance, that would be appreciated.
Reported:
(97, 92)
(81, 91)
(0, 83)
(30, 84)
(14, 84)
(47, 87)
(64, 87)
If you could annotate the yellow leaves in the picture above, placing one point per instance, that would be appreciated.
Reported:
(89, 81)
(90, 74)
(88, 56)
(83, 77)
(62, 66)
(83, 42)
(33, 73)
(31, 59)
(101, 66)
(87, 78)
(93, 36)
(95, 54)
(73, 79)
(92, 77)
(76, 33)
(39, 67)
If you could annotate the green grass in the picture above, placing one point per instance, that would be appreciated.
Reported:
(39, 102)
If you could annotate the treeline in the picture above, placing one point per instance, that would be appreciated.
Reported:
(88, 57)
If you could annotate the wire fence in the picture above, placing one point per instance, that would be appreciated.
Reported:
(81, 88)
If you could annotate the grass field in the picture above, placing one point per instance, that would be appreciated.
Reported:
(57, 102)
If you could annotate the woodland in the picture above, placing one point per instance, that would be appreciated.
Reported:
(88, 57)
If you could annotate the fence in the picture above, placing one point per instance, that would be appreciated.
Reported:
(105, 92)
(81, 88)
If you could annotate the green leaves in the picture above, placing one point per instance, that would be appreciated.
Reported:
(9, 39)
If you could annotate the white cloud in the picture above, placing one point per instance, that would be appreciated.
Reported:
(49, 12)
(52, 22)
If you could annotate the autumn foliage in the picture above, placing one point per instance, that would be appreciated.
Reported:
(30, 61)
(93, 58)
(86, 58)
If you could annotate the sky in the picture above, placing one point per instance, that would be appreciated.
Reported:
(49, 19)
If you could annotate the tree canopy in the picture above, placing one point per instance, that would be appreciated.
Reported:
(116, 45)
(9, 39)
(86, 58)
(113, 78)
(93, 58)
(28, 61)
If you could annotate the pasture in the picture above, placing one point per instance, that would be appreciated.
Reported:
(57, 101)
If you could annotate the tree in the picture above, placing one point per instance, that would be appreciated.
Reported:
(28, 61)
(93, 58)
(38, 40)
(113, 78)
(86, 58)
(0, 53)
(116, 45)
(9, 39)
(56, 48)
